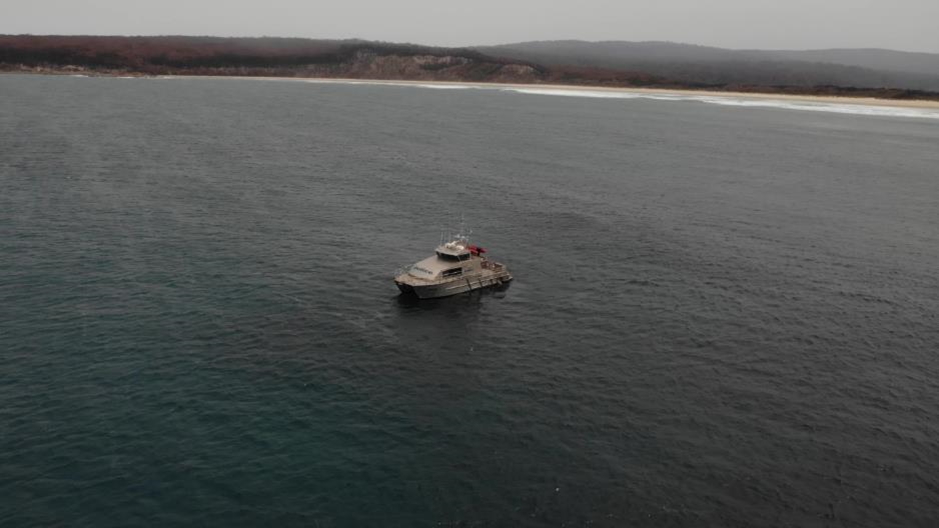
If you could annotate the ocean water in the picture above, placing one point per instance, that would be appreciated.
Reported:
(722, 315)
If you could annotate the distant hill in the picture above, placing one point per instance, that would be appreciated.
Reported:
(875, 59)
(717, 66)
(288, 57)
(608, 64)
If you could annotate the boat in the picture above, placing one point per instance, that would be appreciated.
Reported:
(456, 267)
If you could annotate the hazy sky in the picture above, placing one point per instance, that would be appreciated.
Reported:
(793, 24)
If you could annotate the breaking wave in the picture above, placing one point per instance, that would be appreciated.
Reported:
(838, 108)
(806, 105)
(453, 86)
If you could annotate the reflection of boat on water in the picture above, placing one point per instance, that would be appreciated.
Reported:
(456, 267)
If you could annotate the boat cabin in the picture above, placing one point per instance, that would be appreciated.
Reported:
(446, 263)
(453, 252)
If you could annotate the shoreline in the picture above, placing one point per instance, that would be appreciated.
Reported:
(861, 101)
(764, 96)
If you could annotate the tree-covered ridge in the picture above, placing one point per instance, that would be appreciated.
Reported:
(718, 66)
(557, 63)
(157, 53)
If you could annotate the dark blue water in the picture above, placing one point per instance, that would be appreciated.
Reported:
(721, 316)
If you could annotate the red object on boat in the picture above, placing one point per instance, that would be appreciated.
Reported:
(476, 250)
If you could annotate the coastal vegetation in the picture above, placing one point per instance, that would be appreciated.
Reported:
(536, 63)
(860, 68)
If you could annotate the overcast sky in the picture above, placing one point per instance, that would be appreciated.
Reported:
(911, 25)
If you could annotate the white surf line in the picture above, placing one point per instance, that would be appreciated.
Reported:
(729, 100)
(848, 108)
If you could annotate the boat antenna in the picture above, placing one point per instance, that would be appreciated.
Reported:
(449, 229)
(464, 234)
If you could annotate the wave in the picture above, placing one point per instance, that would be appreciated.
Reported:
(445, 86)
(838, 108)
(421, 85)
(371, 82)
(728, 100)
(859, 109)
(575, 93)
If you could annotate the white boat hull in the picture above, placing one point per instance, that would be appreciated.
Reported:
(455, 286)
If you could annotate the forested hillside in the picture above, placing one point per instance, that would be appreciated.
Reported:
(654, 65)
(716, 66)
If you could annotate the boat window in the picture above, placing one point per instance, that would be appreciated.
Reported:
(444, 256)
(452, 272)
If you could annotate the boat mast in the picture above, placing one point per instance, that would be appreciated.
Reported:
(463, 235)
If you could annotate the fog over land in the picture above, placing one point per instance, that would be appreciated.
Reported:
(908, 25)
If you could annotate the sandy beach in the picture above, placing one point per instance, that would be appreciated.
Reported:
(571, 89)
(811, 99)
(865, 101)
